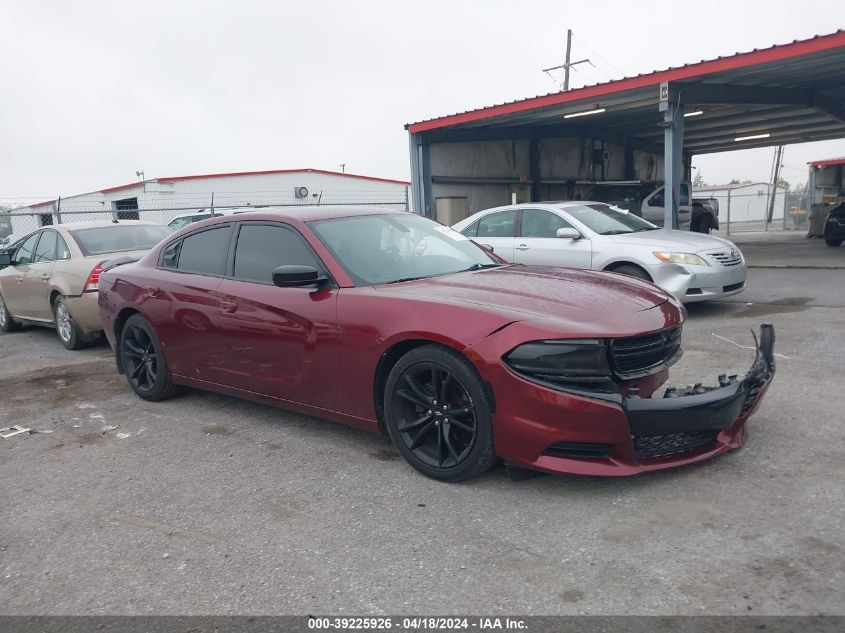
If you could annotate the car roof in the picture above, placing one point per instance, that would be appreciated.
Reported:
(96, 224)
(557, 204)
(306, 213)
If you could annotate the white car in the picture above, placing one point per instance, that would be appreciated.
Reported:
(595, 235)
(203, 214)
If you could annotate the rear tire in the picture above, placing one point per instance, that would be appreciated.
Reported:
(143, 362)
(438, 414)
(7, 323)
(69, 334)
(632, 271)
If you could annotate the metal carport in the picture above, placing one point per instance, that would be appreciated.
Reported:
(789, 93)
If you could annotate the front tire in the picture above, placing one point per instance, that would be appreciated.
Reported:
(7, 323)
(438, 414)
(143, 361)
(632, 271)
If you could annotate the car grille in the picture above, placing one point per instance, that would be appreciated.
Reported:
(581, 450)
(653, 446)
(731, 257)
(639, 354)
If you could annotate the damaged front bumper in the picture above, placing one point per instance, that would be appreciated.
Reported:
(620, 435)
(699, 410)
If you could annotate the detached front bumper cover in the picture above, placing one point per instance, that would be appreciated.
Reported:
(700, 409)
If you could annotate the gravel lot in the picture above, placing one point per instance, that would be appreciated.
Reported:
(209, 505)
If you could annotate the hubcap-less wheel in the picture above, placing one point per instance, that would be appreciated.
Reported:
(436, 416)
(139, 358)
(3, 316)
(63, 323)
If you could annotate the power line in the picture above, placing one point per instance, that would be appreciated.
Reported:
(596, 53)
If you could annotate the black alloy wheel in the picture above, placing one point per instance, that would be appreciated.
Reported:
(438, 415)
(143, 362)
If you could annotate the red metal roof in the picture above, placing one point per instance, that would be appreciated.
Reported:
(777, 52)
(121, 187)
(825, 163)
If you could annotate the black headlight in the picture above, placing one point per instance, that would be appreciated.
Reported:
(562, 361)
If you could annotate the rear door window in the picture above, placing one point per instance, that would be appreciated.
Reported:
(471, 230)
(62, 249)
(262, 247)
(205, 252)
(501, 224)
(46, 249)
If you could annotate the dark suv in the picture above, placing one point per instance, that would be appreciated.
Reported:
(834, 226)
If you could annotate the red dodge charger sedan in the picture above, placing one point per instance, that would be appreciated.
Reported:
(388, 321)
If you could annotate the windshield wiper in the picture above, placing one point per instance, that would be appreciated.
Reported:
(397, 281)
(646, 228)
(482, 266)
(617, 232)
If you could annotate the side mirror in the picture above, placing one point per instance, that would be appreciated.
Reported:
(5, 259)
(568, 234)
(295, 275)
(486, 247)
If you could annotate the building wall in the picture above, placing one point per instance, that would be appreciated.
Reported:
(166, 200)
(492, 171)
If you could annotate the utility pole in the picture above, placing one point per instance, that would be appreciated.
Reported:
(775, 177)
(567, 64)
(343, 168)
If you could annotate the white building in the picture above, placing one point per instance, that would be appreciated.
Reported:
(162, 199)
(748, 201)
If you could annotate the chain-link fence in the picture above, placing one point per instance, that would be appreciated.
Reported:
(762, 211)
(16, 224)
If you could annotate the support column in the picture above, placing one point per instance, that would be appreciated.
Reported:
(534, 169)
(673, 148)
(420, 176)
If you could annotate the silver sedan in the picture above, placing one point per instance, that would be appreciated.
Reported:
(582, 234)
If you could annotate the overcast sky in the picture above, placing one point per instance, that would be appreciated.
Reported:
(92, 91)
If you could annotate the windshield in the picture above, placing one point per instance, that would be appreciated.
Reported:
(120, 237)
(609, 220)
(380, 249)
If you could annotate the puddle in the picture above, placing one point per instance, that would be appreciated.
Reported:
(780, 306)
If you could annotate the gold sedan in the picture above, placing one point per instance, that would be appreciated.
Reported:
(52, 277)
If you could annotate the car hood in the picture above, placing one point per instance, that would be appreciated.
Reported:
(536, 292)
(671, 240)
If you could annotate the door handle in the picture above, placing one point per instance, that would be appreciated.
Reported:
(228, 306)
(19, 279)
(522, 247)
(151, 291)
(45, 277)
